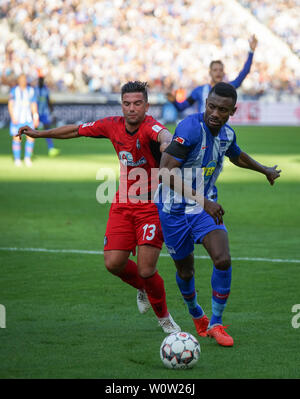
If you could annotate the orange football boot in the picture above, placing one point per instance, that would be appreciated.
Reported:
(201, 325)
(220, 335)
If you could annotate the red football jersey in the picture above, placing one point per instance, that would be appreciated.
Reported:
(134, 150)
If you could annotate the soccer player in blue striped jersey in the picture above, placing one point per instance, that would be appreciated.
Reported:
(217, 74)
(22, 108)
(188, 207)
(44, 109)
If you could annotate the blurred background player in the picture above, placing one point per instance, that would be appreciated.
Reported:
(200, 143)
(22, 108)
(44, 109)
(217, 74)
(136, 138)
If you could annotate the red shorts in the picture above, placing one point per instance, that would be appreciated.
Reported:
(130, 225)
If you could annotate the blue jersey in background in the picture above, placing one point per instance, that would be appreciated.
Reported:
(200, 93)
(42, 96)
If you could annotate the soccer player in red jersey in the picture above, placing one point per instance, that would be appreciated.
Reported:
(133, 222)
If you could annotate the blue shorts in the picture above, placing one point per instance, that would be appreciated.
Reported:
(45, 119)
(13, 128)
(181, 231)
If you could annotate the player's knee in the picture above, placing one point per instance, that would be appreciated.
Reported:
(185, 268)
(113, 264)
(186, 274)
(147, 271)
(222, 262)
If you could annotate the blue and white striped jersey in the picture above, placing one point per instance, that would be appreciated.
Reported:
(42, 97)
(22, 100)
(202, 165)
(200, 94)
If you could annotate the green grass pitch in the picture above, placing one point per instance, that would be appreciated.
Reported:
(67, 317)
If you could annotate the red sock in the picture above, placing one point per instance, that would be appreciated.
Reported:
(131, 276)
(154, 286)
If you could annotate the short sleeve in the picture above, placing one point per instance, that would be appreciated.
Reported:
(233, 150)
(99, 128)
(154, 128)
(187, 131)
(186, 136)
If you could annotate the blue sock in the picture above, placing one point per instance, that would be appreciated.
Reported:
(29, 148)
(220, 283)
(50, 143)
(16, 149)
(188, 292)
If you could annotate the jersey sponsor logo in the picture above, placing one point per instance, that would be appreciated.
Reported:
(179, 140)
(157, 128)
(126, 159)
(209, 170)
(87, 124)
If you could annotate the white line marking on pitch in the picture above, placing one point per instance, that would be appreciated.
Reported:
(86, 252)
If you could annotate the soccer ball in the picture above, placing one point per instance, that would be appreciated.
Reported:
(180, 350)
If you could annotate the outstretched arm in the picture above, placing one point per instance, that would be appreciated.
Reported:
(63, 132)
(245, 161)
(247, 66)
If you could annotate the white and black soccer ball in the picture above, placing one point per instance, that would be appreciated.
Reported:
(180, 350)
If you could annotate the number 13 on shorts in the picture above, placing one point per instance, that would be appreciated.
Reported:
(149, 231)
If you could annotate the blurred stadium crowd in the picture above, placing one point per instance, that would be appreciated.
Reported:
(282, 17)
(95, 46)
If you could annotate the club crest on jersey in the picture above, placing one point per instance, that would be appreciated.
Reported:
(209, 170)
(126, 159)
(138, 144)
(179, 140)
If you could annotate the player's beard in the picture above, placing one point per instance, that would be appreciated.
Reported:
(213, 128)
(134, 121)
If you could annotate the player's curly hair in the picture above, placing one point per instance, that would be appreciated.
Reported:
(223, 89)
(135, 87)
